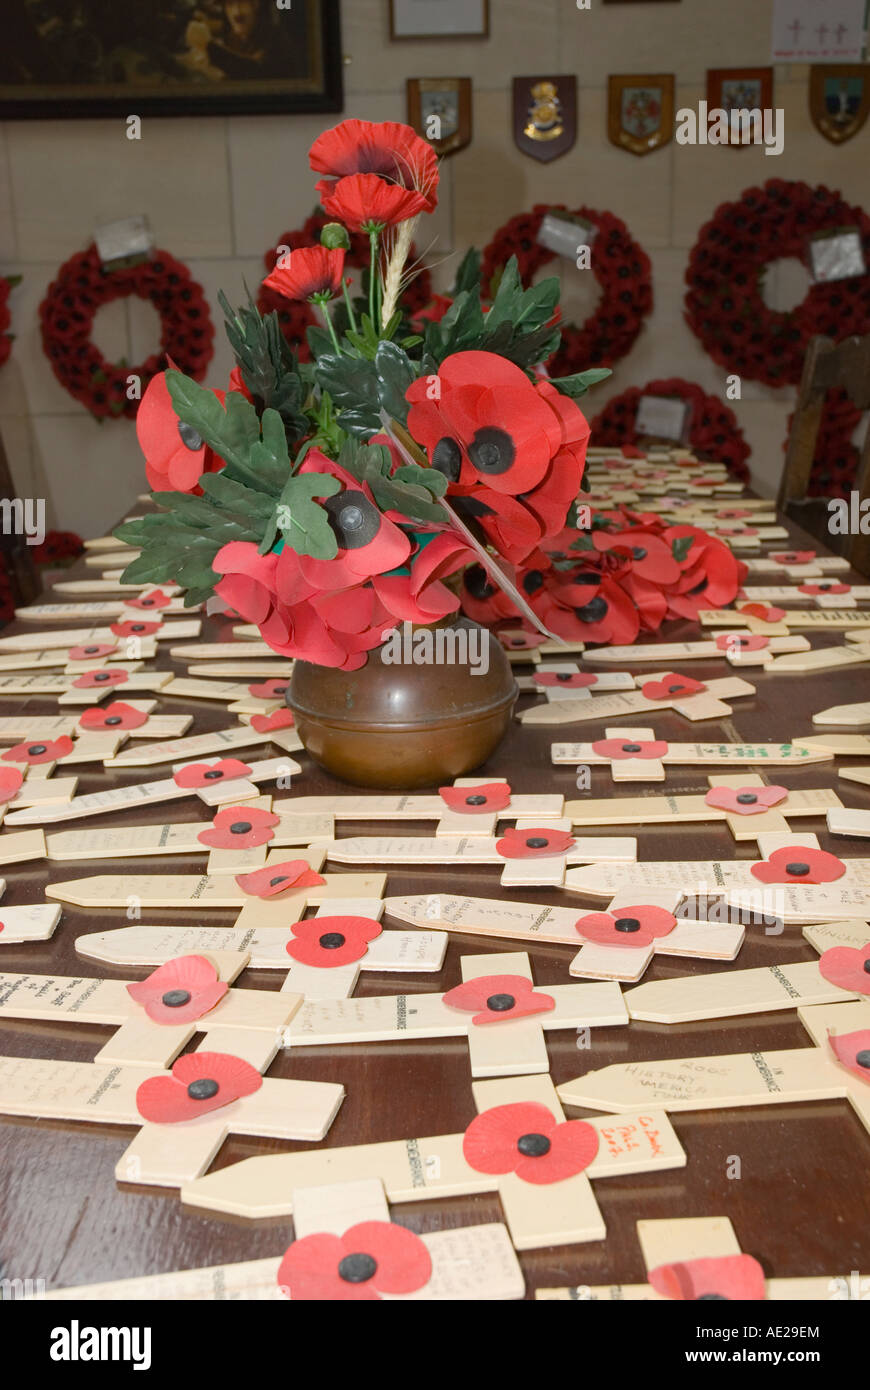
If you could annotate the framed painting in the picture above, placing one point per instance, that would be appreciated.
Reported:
(446, 19)
(69, 58)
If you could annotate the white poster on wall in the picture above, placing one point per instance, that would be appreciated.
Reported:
(818, 31)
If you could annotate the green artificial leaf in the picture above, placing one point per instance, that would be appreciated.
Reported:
(319, 341)
(267, 364)
(229, 431)
(530, 308)
(302, 522)
(583, 542)
(468, 273)
(352, 382)
(681, 547)
(578, 384)
(395, 371)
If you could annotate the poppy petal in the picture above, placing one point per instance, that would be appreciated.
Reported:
(479, 800)
(745, 801)
(672, 687)
(265, 723)
(203, 774)
(499, 997)
(853, 1050)
(798, 864)
(489, 1144)
(331, 941)
(168, 1099)
(630, 748)
(537, 843)
(39, 751)
(11, 779)
(566, 680)
(847, 967)
(725, 1276)
(275, 879)
(116, 716)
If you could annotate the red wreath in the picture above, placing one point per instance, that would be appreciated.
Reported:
(7, 284)
(82, 287)
(713, 429)
(295, 317)
(835, 461)
(621, 267)
(724, 307)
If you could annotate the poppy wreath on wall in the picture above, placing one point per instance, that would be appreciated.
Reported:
(835, 461)
(294, 315)
(81, 287)
(713, 428)
(619, 264)
(724, 304)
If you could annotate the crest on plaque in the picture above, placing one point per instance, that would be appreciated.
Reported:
(640, 116)
(439, 109)
(839, 99)
(545, 115)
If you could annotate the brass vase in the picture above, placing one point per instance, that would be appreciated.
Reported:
(401, 726)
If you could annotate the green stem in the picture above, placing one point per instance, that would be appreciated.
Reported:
(374, 237)
(321, 304)
(350, 313)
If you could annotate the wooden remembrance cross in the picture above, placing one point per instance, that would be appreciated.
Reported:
(636, 755)
(708, 703)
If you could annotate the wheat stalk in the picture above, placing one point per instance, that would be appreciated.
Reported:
(393, 278)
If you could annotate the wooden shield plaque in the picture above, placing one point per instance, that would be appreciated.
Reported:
(439, 109)
(640, 111)
(545, 115)
(839, 99)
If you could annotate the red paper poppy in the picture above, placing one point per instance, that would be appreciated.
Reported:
(630, 748)
(745, 801)
(175, 454)
(853, 1050)
(823, 587)
(93, 649)
(39, 751)
(331, 941)
(180, 991)
(240, 827)
(270, 690)
(567, 680)
(798, 864)
(389, 148)
(203, 774)
(522, 641)
(11, 779)
(733, 513)
(499, 998)
(539, 843)
(93, 680)
(275, 879)
(199, 1082)
(476, 801)
(743, 641)
(723, 1277)
(279, 719)
(364, 201)
(737, 531)
(847, 967)
(134, 629)
(155, 598)
(672, 687)
(650, 557)
(766, 612)
(313, 272)
(116, 716)
(526, 1138)
(368, 542)
(630, 926)
(794, 557)
(371, 1259)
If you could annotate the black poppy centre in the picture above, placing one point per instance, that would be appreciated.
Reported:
(533, 1145)
(353, 518)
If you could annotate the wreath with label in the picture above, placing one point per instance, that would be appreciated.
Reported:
(725, 275)
(82, 286)
(714, 433)
(294, 316)
(619, 264)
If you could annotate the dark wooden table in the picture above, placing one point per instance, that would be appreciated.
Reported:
(800, 1204)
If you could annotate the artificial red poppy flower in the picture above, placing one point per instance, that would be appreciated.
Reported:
(331, 941)
(248, 580)
(593, 608)
(180, 991)
(155, 598)
(175, 454)
(650, 557)
(766, 612)
(798, 864)
(203, 774)
(794, 557)
(737, 531)
(11, 779)
(275, 879)
(389, 148)
(42, 751)
(134, 629)
(312, 272)
(630, 748)
(630, 926)
(853, 1050)
(521, 641)
(742, 641)
(745, 801)
(499, 998)
(539, 843)
(506, 522)
(371, 1259)
(824, 587)
(368, 542)
(672, 687)
(270, 690)
(240, 827)
(115, 716)
(92, 680)
(847, 967)
(199, 1082)
(526, 1138)
(93, 649)
(566, 680)
(733, 513)
(710, 573)
(364, 202)
(279, 719)
(724, 1276)
(476, 801)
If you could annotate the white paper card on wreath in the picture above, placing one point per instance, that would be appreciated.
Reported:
(837, 256)
(817, 31)
(661, 417)
(565, 236)
(128, 238)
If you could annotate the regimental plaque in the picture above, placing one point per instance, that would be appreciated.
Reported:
(439, 109)
(839, 99)
(545, 115)
(640, 114)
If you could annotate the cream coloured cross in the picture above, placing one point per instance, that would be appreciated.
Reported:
(631, 769)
